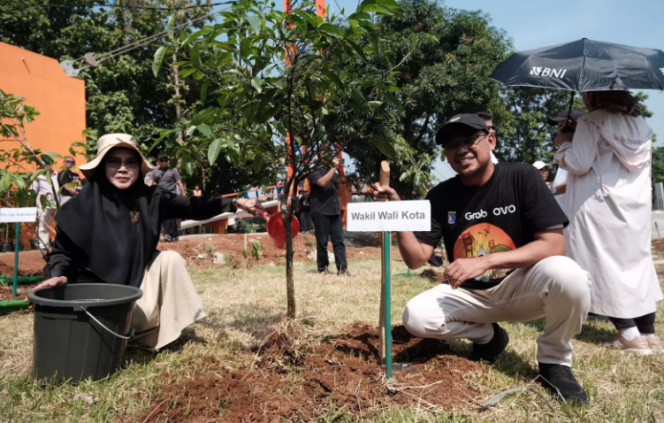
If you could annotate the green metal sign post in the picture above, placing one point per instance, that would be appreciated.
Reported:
(16, 243)
(387, 318)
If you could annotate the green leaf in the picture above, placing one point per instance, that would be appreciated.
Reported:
(170, 27)
(255, 23)
(158, 61)
(357, 49)
(203, 115)
(375, 104)
(334, 78)
(257, 83)
(195, 56)
(185, 73)
(358, 99)
(18, 180)
(385, 147)
(214, 150)
(195, 35)
(204, 89)
(258, 163)
(393, 99)
(5, 182)
(205, 130)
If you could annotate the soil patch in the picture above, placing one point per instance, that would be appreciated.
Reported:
(29, 263)
(7, 291)
(294, 378)
(199, 252)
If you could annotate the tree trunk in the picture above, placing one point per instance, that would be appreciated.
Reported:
(178, 106)
(287, 216)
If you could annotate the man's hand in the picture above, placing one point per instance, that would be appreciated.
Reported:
(385, 193)
(248, 205)
(335, 163)
(463, 269)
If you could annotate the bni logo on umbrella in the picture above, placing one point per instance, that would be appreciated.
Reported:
(553, 73)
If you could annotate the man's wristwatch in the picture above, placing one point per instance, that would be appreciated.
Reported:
(234, 205)
(553, 190)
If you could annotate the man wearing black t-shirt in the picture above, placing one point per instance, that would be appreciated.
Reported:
(503, 232)
(326, 215)
(65, 178)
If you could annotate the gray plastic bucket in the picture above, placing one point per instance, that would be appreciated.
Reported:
(81, 330)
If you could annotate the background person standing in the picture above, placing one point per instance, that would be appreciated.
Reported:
(45, 213)
(326, 215)
(544, 170)
(67, 176)
(169, 180)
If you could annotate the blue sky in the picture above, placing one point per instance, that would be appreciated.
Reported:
(536, 23)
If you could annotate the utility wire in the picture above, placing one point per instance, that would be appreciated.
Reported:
(147, 40)
(122, 6)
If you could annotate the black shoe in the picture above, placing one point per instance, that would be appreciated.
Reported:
(489, 352)
(345, 273)
(561, 383)
(325, 272)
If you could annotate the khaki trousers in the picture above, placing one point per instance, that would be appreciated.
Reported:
(556, 288)
(169, 302)
(43, 233)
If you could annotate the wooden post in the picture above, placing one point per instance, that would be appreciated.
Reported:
(384, 182)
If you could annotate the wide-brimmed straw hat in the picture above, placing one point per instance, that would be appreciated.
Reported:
(105, 144)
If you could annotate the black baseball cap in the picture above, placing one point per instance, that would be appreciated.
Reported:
(575, 114)
(163, 158)
(467, 120)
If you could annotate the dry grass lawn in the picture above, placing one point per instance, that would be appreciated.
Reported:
(244, 304)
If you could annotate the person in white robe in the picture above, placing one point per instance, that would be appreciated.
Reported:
(608, 160)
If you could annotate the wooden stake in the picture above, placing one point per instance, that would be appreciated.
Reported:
(384, 182)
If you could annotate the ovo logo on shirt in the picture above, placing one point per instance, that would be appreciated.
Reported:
(480, 240)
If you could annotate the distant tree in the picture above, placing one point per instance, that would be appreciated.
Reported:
(122, 94)
(443, 57)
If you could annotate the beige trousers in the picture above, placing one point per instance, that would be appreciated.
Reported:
(169, 302)
(43, 233)
(556, 288)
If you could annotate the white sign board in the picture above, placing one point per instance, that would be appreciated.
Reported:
(395, 216)
(24, 214)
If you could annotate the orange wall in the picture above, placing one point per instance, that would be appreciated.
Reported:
(59, 99)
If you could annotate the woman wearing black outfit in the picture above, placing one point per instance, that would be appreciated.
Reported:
(109, 234)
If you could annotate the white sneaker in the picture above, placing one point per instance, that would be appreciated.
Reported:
(638, 345)
(655, 344)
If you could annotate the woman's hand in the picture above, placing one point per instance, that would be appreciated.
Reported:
(50, 283)
(248, 205)
(563, 137)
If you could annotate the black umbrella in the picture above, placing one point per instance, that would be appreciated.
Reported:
(584, 65)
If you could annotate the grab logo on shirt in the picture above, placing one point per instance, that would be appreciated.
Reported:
(496, 212)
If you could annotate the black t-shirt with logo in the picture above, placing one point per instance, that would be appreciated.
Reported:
(66, 176)
(502, 215)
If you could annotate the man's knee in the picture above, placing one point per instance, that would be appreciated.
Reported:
(566, 277)
(416, 319)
